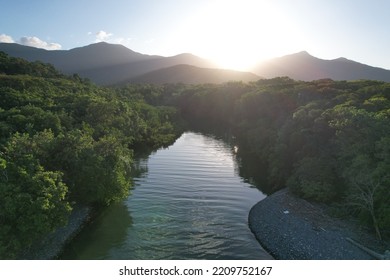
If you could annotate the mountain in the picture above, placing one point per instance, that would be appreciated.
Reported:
(303, 66)
(189, 74)
(89, 57)
(108, 64)
(103, 63)
(120, 73)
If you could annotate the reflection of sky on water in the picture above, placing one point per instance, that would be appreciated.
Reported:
(187, 203)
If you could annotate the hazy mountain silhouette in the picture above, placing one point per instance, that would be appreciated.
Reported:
(88, 57)
(103, 63)
(109, 64)
(303, 66)
(189, 74)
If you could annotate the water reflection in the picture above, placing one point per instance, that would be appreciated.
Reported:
(140, 166)
(246, 165)
(188, 202)
(107, 231)
(252, 170)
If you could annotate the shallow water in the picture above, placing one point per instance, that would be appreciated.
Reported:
(188, 203)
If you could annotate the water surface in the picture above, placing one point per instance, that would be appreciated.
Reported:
(188, 203)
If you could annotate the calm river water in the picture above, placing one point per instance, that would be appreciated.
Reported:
(187, 203)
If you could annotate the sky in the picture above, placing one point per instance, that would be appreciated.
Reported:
(235, 34)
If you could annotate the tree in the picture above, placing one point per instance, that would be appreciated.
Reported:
(314, 178)
(97, 172)
(32, 200)
(362, 153)
(366, 182)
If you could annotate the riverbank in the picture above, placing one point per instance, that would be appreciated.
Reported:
(289, 227)
(53, 244)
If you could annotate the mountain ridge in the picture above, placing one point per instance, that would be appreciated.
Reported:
(103, 63)
(303, 66)
(188, 74)
(110, 64)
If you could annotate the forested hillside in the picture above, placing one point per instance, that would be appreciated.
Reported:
(328, 141)
(64, 140)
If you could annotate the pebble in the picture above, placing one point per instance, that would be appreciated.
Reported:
(305, 233)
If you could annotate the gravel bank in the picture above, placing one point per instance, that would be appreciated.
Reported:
(51, 246)
(289, 227)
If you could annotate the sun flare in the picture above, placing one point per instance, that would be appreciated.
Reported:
(237, 35)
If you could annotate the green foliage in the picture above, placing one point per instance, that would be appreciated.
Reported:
(95, 171)
(315, 179)
(64, 140)
(19, 66)
(309, 135)
(368, 189)
(32, 199)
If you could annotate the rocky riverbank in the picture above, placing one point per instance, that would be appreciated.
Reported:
(289, 227)
(52, 245)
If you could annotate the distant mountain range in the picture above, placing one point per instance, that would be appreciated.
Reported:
(109, 64)
(189, 74)
(303, 66)
(103, 63)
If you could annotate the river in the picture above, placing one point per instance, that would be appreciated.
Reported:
(188, 202)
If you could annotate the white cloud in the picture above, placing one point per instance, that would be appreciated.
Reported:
(31, 42)
(6, 39)
(38, 43)
(102, 36)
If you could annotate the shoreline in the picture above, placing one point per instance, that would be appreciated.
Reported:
(52, 245)
(289, 227)
(286, 226)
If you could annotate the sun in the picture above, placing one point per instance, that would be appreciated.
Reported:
(238, 34)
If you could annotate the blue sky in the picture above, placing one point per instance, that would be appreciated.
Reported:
(235, 34)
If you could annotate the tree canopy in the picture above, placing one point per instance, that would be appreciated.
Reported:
(326, 140)
(64, 140)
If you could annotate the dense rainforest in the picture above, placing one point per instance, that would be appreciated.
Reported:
(66, 141)
(329, 141)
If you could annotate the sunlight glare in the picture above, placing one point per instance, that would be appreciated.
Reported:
(238, 34)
